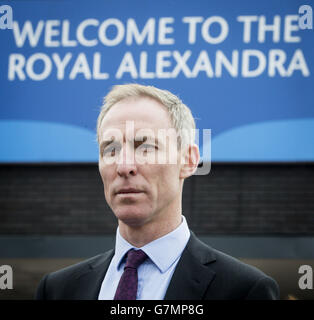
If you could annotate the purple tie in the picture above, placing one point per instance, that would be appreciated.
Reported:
(127, 288)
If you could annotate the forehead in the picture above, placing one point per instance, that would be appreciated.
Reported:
(144, 112)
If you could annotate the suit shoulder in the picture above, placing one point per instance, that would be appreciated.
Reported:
(77, 268)
(57, 284)
(237, 267)
(222, 261)
(245, 280)
(235, 279)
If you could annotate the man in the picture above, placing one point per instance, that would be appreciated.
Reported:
(143, 166)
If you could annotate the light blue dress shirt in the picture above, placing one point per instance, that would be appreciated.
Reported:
(155, 273)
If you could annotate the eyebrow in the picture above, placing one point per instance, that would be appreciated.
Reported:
(142, 139)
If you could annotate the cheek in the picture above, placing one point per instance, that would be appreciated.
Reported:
(168, 180)
(102, 175)
(106, 178)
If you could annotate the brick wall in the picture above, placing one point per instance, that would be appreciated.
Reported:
(232, 199)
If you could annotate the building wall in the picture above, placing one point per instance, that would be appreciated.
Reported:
(231, 199)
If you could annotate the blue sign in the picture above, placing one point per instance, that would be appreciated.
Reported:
(245, 69)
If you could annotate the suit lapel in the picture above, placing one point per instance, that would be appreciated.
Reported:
(190, 279)
(192, 275)
(87, 284)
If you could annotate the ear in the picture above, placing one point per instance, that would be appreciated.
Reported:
(189, 161)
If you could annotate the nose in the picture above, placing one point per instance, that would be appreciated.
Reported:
(126, 163)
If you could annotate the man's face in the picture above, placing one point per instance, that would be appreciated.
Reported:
(138, 192)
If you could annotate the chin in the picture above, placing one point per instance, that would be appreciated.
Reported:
(132, 216)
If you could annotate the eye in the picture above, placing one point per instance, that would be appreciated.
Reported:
(147, 147)
(111, 150)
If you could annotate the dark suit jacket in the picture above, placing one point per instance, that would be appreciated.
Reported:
(202, 273)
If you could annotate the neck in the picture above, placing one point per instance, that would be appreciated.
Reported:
(140, 235)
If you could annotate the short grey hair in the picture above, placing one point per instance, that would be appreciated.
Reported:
(180, 115)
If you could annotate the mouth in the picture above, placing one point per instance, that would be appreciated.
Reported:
(129, 191)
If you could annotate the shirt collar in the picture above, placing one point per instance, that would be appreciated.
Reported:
(159, 251)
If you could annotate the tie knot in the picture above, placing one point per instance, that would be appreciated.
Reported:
(135, 258)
